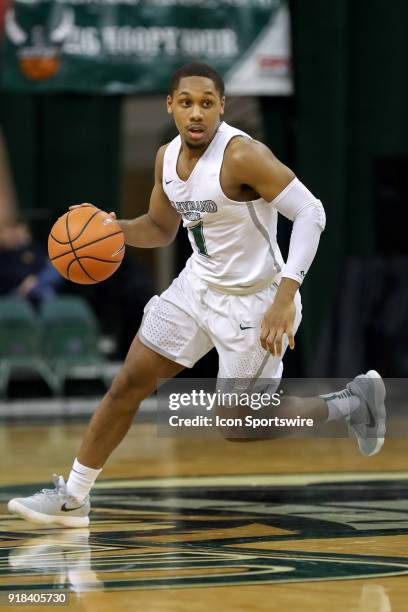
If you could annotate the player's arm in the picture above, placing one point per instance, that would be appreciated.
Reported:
(158, 227)
(253, 164)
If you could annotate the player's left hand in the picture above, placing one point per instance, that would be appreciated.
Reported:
(278, 320)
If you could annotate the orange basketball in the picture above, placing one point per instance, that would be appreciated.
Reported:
(86, 245)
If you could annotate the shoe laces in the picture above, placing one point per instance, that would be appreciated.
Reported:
(59, 487)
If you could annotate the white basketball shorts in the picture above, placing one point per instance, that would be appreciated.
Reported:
(189, 319)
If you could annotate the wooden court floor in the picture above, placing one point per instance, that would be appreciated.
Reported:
(190, 524)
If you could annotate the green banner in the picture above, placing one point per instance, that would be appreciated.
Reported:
(133, 46)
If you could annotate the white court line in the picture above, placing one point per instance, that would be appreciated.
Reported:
(65, 407)
(249, 480)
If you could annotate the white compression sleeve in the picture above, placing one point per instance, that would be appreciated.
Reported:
(299, 205)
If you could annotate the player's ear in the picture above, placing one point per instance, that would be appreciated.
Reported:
(222, 109)
(169, 104)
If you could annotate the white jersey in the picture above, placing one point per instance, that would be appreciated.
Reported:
(234, 243)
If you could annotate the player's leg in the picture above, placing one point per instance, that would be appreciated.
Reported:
(242, 358)
(361, 404)
(68, 504)
(135, 381)
(169, 340)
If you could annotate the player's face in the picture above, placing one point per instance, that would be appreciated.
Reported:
(196, 107)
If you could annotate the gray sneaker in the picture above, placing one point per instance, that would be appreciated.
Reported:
(368, 421)
(52, 507)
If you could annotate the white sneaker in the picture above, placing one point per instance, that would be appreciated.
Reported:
(52, 507)
(368, 421)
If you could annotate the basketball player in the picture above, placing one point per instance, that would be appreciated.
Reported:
(236, 293)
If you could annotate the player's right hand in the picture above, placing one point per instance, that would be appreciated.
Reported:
(81, 205)
(111, 214)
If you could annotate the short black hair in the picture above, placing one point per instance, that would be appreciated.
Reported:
(196, 69)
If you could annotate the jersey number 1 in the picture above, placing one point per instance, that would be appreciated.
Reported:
(198, 235)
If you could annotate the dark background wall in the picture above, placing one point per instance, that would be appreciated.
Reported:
(350, 61)
(63, 149)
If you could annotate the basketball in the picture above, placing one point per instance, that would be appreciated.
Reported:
(86, 245)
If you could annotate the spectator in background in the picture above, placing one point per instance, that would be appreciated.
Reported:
(24, 266)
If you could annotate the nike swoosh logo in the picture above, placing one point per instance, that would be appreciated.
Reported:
(65, 509)
(246, 327)
(167, 182)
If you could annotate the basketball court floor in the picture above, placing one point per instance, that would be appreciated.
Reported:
(198, 525)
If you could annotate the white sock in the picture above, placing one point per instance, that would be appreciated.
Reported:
(81, 480)
(340, 404)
